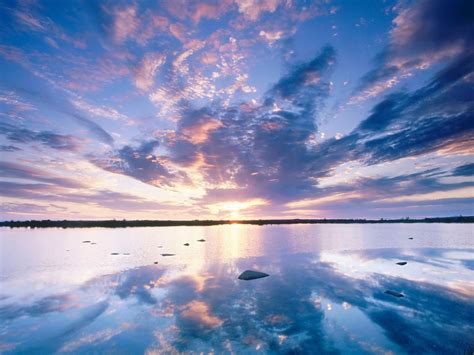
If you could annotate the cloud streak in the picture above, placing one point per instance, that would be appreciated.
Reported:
(46, 138)
(422, 35)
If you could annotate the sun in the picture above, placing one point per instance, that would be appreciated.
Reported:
(235, 209)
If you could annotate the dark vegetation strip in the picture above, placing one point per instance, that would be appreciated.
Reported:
(161, 223)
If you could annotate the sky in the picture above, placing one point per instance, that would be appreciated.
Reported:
(183, 109)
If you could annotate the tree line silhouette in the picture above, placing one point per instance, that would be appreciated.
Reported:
(172, 223)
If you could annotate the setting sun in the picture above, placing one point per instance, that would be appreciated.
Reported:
(235, 209)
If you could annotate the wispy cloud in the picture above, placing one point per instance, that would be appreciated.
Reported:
(45, 138)
(423, 34)
(147, 69)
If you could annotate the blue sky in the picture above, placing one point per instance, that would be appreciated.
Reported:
(236, 109)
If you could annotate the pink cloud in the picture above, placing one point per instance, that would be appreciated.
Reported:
(198, 312)
(125, 23)
(89, 75)
(210, 10)
(273, 36)
(272, 126)
(146, 71)
(374, 90)
(251, 9)
(30, 21)
(160, 22)
(179, 31)
(209, 58)
(151, 25)
(197, 10)
(199, 132)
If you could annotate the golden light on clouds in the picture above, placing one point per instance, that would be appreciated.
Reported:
(465, 192)
(198, 312)
(321, 200)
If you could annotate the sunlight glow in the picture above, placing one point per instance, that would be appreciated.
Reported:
(233, 209)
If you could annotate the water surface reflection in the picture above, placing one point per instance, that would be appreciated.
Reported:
(326, 299)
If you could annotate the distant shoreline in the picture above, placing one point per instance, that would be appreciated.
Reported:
(176, 223)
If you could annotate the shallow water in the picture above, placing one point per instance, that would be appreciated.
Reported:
(325, 292)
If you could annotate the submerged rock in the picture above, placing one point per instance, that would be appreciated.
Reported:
(252, 275)
(186, 244)
(168, 254)
(201, 240)
(402, 263)
(125, 253)
(394, 293)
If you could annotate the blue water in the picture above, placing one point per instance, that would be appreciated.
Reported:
(325, 292)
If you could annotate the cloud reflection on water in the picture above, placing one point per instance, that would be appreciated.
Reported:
(309, 302)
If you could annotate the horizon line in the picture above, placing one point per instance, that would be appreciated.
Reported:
(115, 223)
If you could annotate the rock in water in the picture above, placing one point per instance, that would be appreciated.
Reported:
(252, 275)
(394, 293)
(402, 263)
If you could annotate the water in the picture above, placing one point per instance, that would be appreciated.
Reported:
(325, 292)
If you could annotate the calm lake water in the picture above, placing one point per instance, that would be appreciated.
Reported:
(325, 292)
